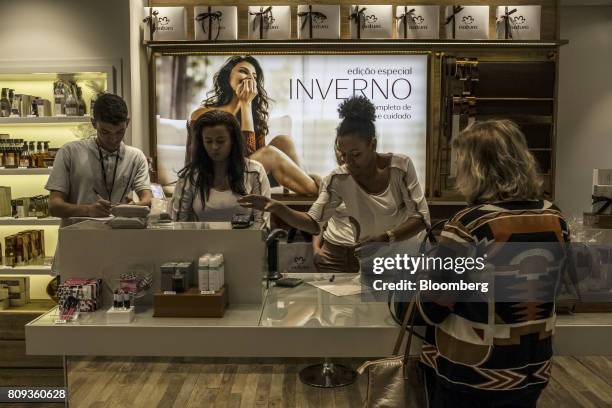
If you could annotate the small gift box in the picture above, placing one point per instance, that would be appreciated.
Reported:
(602, 199)
(418, 22)
(165, 23)
(316, 22)
(269, 22)
(369, 21)
(213, 23)
(467, 22)
(518, 22)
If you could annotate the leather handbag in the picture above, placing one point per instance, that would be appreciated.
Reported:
(387, 378)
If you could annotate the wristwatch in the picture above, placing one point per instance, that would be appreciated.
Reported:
(390, 236)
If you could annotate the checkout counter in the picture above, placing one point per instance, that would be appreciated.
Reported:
(262, 320)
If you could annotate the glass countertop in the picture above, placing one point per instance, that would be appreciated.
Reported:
(308, 306)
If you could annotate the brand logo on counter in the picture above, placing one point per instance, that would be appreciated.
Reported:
(418, 23)
(299, 261)
(520, 23)
(369, 22)
(467, 23)
(162, 24)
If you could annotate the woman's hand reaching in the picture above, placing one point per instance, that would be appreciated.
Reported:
(257, 202)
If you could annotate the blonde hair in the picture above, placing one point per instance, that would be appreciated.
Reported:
(494, 163)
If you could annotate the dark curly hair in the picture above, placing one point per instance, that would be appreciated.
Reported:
(358, 115)
(223, 93)
(200, 171)
(110, 108)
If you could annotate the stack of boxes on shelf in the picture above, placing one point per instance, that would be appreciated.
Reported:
(14, 292)
(24, 248)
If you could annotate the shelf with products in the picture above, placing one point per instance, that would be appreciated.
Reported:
(45, 120)
(25, 270)
(523, 91)
(29, 221)
(36, 306)
(25, 171)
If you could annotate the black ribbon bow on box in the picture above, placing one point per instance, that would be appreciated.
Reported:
(210, 16)
(261, 15)
(506, 19)
(308, 17)
(151, 21)
(404, 18)
(601, 199)
(357, 16)
(452, 17)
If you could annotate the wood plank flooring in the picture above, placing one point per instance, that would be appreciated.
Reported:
(105, 382)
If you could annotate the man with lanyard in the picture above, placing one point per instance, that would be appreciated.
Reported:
(90, 176)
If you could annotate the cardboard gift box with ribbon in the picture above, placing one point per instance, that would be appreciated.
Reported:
(318, 22)
(269, 22)
(368, 21)
(418, 22)
(467, 22)
(518, 22)
(215, 23)
(165, 24)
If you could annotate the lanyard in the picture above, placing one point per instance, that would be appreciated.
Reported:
(110, 193)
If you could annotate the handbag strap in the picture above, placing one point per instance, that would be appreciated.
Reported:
(408, 317)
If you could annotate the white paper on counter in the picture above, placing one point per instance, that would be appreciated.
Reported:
(345, 286)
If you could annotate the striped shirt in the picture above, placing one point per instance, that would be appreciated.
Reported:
(499, 345)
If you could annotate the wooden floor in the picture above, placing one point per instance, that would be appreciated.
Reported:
(195, 382)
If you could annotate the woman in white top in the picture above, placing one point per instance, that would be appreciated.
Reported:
(218, 173)
(382, 194)
(334, 249)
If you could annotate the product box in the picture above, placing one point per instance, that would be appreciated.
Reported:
(602, 177)
(467, 22)
(167, 270)
(165, 24)
(418, 22)
(318, 22)
(120, 315)
(18, 289)
(518, 22)
(215, 23)
(6, 209)
(295, 257)
(191, 303)
(602, 199)
(368, 21)
(87, 291)
(269, 23)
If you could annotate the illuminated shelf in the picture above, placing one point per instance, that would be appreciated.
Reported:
(18, 172)
(25, 270)
(29, 221)
(34, 307)
(45, 120)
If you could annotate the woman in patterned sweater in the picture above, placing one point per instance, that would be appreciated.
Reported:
(496, 353)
